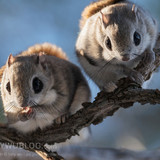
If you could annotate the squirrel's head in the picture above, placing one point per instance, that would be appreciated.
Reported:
(125, 35)
(27, 81)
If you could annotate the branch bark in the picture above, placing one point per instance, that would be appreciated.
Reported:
(105, 104)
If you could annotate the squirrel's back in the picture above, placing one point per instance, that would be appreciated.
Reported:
(46, 48)
(95, 7)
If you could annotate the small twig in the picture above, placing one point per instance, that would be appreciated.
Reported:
(49, 156)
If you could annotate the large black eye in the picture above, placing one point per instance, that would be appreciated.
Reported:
(137, 38)
(108, 43)
(37, 85)
(8, 87)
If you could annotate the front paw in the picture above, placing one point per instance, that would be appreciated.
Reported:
(136, 77)
(109, 87)
(61, 119)
(26, 114)
(148, 58)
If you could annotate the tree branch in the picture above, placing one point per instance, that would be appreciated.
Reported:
(105, 104)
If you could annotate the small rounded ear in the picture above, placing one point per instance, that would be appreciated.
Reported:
(81, 52)
(10, 60)
(41, 60)
(105, 19)
(134, 9)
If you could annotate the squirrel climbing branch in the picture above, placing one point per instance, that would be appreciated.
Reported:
(105, 104)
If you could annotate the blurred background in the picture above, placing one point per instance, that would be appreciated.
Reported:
(25, 23)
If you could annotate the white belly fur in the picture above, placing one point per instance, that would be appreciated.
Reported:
(41, 121)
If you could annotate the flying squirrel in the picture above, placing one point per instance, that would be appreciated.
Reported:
(115, 36)
(40, 87)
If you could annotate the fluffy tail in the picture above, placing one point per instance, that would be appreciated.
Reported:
(47, 48)
(95, 7)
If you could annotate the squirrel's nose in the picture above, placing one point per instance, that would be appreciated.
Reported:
(126, 57)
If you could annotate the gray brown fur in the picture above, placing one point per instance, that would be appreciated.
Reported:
(65, 89)
(122, 21)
